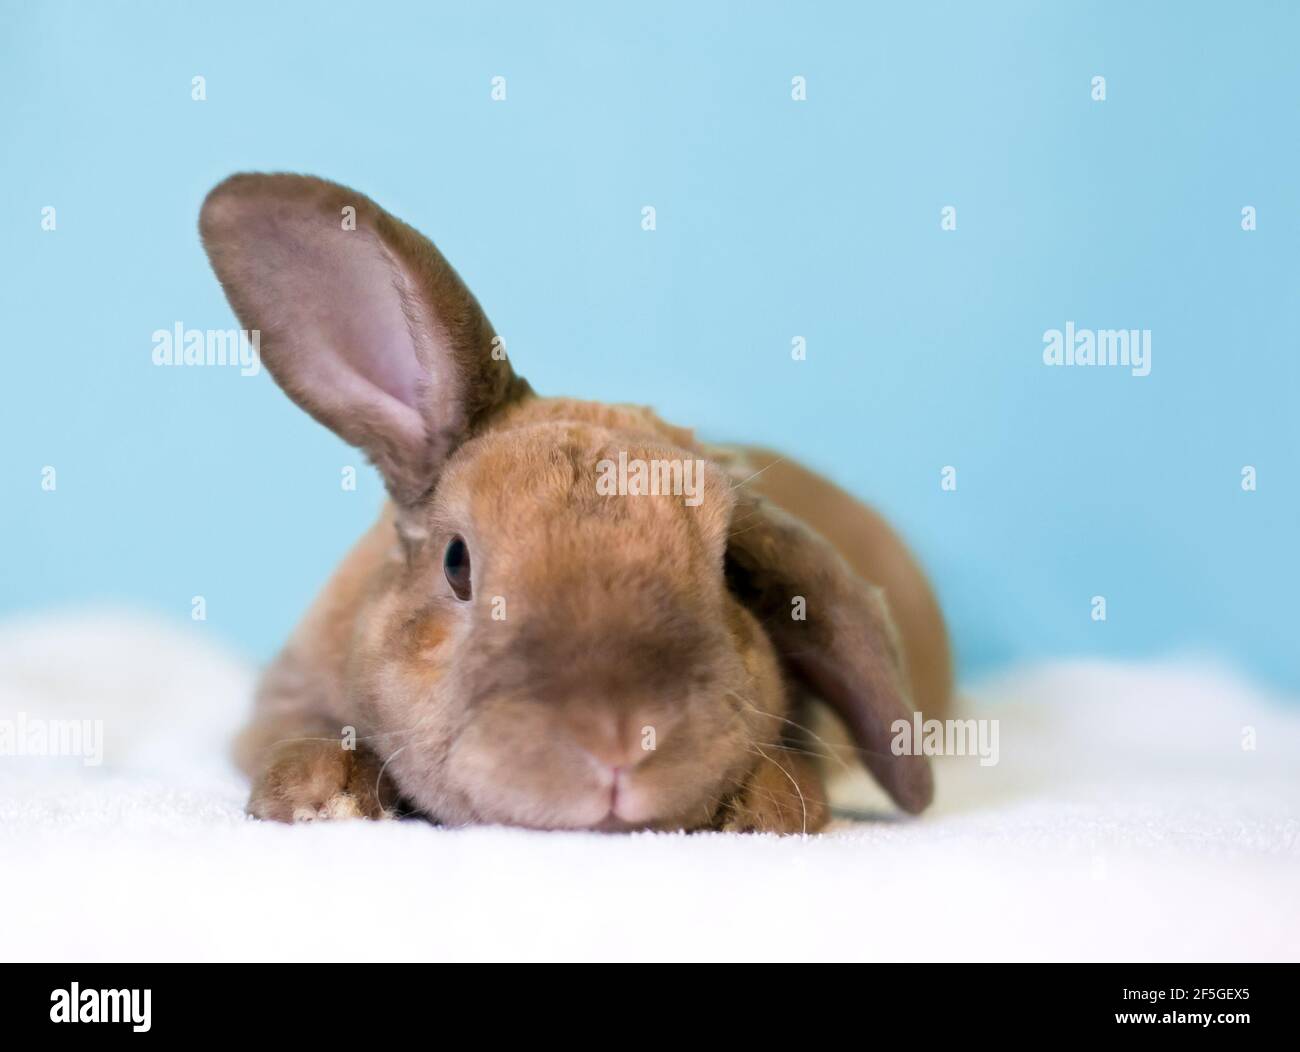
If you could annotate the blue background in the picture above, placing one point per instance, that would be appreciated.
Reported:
(775, 219)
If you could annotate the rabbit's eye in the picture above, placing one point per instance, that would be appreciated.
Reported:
(455, 564)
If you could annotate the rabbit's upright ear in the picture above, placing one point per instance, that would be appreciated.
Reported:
(360, 320)
(832, 630)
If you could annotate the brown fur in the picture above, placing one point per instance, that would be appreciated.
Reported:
(627, 619)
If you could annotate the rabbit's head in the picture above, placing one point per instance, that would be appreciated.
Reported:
(584, 622)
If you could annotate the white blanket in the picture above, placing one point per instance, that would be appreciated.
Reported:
(1124, 820)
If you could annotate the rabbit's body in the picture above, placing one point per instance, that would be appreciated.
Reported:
(513, 643)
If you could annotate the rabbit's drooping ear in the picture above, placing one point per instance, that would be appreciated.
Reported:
(832, 630)
(361, 320)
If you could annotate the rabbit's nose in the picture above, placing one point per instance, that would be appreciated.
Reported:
(615, 741)
(616, 760)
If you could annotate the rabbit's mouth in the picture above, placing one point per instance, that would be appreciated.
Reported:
(611, 823)
(627, 805)
(617, 803)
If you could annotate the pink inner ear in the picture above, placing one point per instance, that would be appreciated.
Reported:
(375, 338)
(346, 290)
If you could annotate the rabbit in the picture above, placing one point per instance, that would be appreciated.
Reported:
(508, 645)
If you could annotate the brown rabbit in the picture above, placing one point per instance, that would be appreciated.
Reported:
(513, 642)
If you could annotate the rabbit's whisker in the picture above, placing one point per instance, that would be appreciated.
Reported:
(830, 752)
(760, 471)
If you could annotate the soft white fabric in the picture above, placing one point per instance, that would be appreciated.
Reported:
(1123, 821)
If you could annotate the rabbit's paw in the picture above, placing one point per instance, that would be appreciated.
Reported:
(309, 781)
(784, 795)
